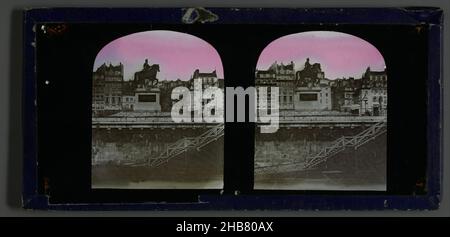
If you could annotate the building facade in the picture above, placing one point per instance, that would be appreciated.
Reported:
(128, 96)
(208, 79)
(373, 95)
(107, 89)
(303, 90)
(281, 76)
(345, 95)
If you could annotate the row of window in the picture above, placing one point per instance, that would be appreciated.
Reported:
(379, 91)
(379, 77)
(128, 99)
(264, 75)
(380, 99)
(326, 101)
(286, 99)
(210, 80)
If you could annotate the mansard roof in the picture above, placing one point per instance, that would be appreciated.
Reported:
(198, 74)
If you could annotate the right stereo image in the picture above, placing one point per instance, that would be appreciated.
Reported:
(332, 105)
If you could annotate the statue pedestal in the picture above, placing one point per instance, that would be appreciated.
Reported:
(147, 100)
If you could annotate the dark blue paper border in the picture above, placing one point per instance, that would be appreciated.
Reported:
(430, 16)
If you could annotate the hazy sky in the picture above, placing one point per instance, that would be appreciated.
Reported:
(178, 54)
(340, 54)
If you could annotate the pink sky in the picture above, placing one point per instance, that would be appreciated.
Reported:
(340, 54)
(178, 54)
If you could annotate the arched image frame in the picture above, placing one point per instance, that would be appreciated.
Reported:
(331, 95)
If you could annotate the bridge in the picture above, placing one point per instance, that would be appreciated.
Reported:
(181, 146)
(326, 153)
(186, 144)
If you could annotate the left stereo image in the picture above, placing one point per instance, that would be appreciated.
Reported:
(146, 130)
